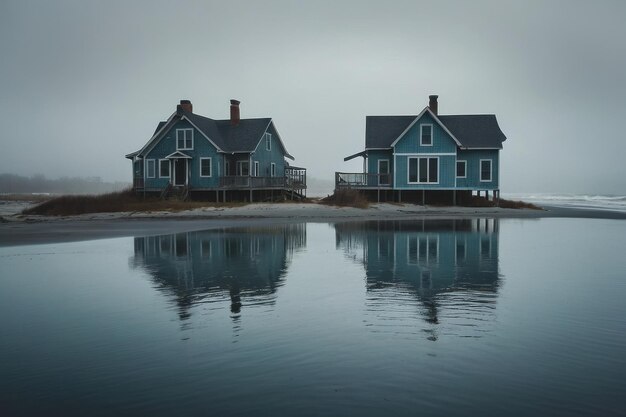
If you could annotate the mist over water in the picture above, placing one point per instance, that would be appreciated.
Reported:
(446, 317)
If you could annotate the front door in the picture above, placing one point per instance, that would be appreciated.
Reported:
(180, 171)
(383, 171)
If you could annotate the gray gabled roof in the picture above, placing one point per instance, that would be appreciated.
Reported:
(475, 130)
(243, 137)
(381, 131)
(472, 131)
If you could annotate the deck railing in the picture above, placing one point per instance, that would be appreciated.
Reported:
(295, 178)
(362, 180)
(239, 181)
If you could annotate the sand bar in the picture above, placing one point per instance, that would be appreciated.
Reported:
(26, 230)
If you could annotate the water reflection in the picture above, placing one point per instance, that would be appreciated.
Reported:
(245, 265)
(443, 271)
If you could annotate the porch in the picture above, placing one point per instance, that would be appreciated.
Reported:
(359, 180)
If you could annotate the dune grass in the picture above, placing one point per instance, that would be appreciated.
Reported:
(126, 200)
(346, 198)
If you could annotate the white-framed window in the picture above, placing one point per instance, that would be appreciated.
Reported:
(426, 135)
(423, 170)
(272, 169)
(268, 141)
(184, 139)
(485, 170)
(256, 168)
(227, 168)
(205, 167)
(243, 168)
(461, 169)
(164, 168)
(150, 168)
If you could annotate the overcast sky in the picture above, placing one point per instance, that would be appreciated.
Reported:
(82, 83)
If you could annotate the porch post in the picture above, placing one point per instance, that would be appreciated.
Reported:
(454, 198)
(423, 197)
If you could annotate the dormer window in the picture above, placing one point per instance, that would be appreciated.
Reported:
(268, 141)
(426, 135)
(184, 139)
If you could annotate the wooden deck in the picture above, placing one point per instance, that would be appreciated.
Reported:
(359, 180)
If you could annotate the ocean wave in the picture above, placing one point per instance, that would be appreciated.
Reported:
(583, 201)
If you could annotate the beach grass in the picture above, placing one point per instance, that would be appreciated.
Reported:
(121, 201)
(346, 198)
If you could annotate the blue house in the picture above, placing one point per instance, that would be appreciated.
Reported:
(428, 157)
(233, 159)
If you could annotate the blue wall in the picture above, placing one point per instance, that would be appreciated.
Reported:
(473, 158)
(201, 148)
(265, 157)
(410, 141)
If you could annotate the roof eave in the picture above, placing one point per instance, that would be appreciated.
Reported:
(350, 157)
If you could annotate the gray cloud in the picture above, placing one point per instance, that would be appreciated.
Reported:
(84, 83)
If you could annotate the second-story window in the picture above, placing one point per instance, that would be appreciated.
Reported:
(268, 141)
(184, 139)
(426, 135)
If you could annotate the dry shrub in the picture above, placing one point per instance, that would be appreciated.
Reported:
(126, 200)
(346, 198)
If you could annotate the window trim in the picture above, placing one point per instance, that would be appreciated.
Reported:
(184, 148)
(422, 134)
(256, 168)
(169, 168)
(148, 162)
(272, 169)
(428, 158)
(464, 161)
(268, 141)
(210, 167)
(480, 172)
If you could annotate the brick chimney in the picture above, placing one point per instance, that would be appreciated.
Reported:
(432, 103)
(186, 105)
(234, 112)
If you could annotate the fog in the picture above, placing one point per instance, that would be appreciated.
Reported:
(85, 82)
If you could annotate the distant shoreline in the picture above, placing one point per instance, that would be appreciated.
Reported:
(27, 230)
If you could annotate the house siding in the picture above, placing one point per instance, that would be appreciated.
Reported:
(473, 158)
(372, 162)
(410, 141)
(443, 147)
(447, 172)
(265, 158)
(202, 148)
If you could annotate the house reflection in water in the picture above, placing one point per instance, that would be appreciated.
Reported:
(246, 265)
(449, 268)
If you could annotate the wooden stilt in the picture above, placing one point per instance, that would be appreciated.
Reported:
(454, 198)
(423, 197)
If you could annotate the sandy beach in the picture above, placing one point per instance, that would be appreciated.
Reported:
(16, 229)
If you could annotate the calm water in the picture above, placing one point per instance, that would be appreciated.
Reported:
(476, 317)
